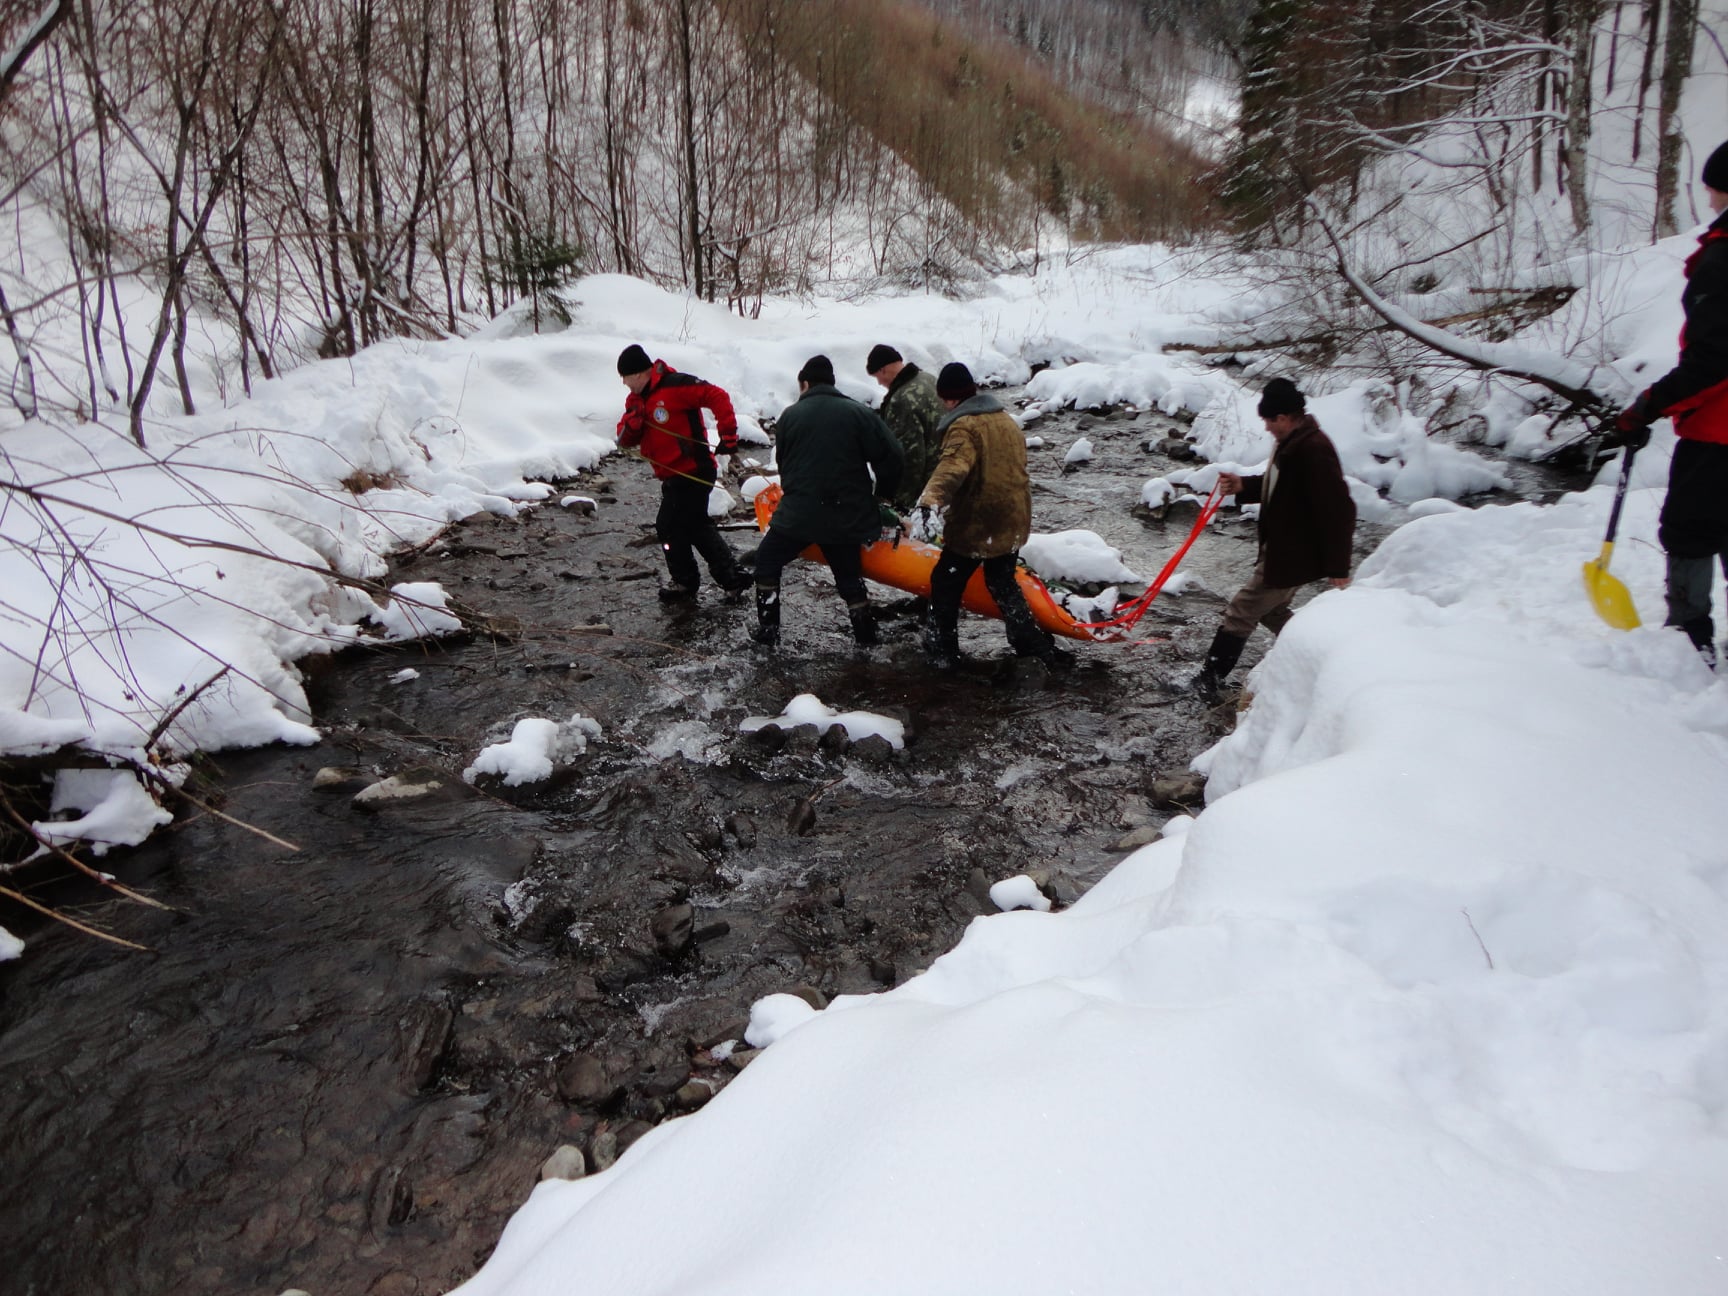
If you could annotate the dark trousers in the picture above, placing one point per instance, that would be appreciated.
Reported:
(683, 526)
(1694, 534)
(846, 561)
(1690, 582)
(948, 583)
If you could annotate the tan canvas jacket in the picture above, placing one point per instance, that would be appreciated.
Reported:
(981, 480)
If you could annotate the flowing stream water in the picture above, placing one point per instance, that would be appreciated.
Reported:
(341, 1067)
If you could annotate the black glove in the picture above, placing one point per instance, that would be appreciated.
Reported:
(924, 522)
(1631, 427)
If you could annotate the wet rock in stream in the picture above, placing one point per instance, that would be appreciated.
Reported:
(344, 1064)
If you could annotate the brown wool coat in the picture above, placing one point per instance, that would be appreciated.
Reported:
(1307, 519)
(981, 480)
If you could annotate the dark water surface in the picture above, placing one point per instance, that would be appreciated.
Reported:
(341, 1067)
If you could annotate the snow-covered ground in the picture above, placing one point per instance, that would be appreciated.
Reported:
(1431, 999)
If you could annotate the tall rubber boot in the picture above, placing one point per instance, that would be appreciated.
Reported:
(1702, 632)
(942, 613)
(723, 564)
(767, 615)
(1221, 659)
(941, 641)
(863, 620)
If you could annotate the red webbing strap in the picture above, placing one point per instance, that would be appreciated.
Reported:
(1128, 615)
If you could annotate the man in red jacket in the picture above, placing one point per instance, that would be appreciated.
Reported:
(663, 423)
(1694, 526)
(1307, 521)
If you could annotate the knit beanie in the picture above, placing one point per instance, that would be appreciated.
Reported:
(818, 369)
(955, 382)
(1281, 397)
(1715, 172)
(634, 360)
(880, 355)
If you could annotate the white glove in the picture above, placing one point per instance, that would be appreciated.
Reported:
(925, 523)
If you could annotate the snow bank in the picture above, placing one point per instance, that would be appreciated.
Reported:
(1432, 998)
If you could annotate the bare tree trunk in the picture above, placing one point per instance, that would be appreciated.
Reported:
(1576, 154)
(369, 201)
(1652, 21)
(179, 255)
(423, 184)
(687, 130)
(507, 206)
(80, 226)
(1676, 67)
(51, 16)
(470, 150)
(25, 400)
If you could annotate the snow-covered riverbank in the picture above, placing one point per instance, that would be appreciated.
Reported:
(1430, 999)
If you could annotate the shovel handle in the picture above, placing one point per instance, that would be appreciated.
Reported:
(1619, 495)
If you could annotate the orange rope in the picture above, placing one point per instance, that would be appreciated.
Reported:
(1127, 616)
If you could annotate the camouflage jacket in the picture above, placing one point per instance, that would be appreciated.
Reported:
(912, 409)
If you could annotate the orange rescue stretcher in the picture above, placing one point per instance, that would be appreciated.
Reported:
(906, 564)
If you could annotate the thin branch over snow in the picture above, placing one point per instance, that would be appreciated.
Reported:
(1565, 377)
(12, 62)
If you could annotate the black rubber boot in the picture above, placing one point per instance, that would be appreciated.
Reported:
(941, 642)
(1057, 658)
(1221, 659)
(1702, 632)
(767, 615)
(723, 564)
(863, 621)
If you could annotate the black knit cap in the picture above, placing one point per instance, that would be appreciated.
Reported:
(955, 382)
(881, 354)
(633, 360)
(818, 369)
(1715, 172)
(1281, 397)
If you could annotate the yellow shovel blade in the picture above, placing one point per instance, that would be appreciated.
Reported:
(1610, 597)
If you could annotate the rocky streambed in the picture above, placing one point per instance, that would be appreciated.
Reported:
(342, 1066)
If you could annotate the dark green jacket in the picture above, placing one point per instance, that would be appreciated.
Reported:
(827, 445)
(912, 409)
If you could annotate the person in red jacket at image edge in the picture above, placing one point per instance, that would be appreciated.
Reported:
(1694, 393)
(663, 423)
